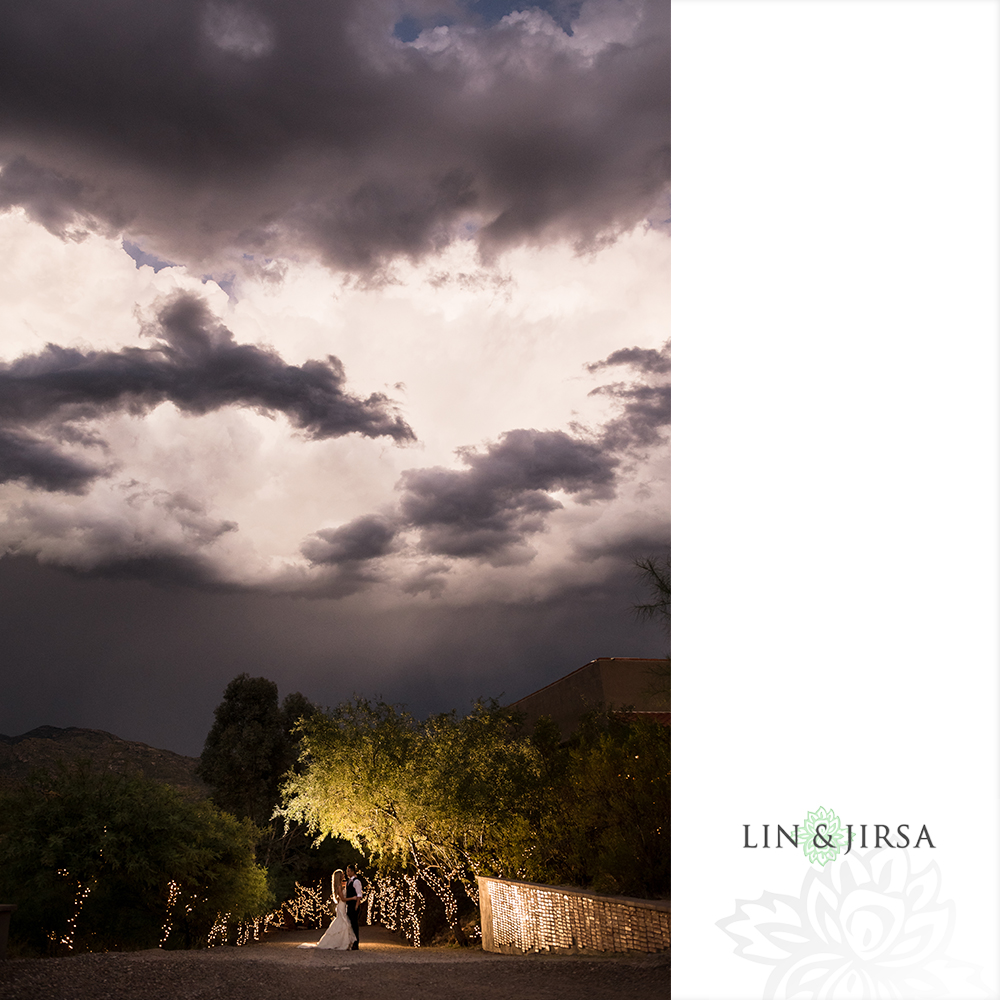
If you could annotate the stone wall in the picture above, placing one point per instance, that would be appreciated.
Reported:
(519, 917)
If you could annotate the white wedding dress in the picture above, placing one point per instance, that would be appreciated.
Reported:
(340, 934)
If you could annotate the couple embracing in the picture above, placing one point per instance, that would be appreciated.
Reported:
(342, 934)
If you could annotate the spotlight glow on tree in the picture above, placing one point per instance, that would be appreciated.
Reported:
(439, 802)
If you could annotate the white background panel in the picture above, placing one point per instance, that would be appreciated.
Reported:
(836, 459)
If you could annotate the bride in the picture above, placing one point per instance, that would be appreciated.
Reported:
(339, 934)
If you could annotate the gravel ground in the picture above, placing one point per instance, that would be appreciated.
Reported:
(383, 969)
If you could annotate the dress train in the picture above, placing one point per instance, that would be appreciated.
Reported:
(340, 934)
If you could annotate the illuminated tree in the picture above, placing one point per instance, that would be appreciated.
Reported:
(454, 797)
(445, 799)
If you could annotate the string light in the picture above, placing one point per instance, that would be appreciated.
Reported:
(220, 930)
(306, 907)
(168, 924)
(396, 902)
(79, 896)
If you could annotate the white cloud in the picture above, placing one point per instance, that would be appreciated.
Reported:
(469, 352)
(531, 37)
(238, 31)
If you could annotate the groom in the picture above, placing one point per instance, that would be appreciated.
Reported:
(354, 894)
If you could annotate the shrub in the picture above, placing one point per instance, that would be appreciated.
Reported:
(98, 861)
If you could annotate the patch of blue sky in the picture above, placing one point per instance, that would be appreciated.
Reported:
(409, 28)
(143, 259)
(563, 12)
(489, 12)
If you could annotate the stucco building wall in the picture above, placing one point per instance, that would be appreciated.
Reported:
(611, 681)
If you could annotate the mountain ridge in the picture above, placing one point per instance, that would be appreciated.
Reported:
(47, 747)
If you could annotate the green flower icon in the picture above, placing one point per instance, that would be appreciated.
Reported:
(824, 836)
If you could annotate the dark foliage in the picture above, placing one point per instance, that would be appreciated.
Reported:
(607, 821)
(98, 861)
(250, 749)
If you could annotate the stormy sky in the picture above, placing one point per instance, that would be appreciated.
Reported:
(333, 347)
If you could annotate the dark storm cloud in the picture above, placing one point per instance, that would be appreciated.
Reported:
(165, 569)
(47, 197)
(650, 540)
(488, 510)
(364, 538)
(484, 511)
(161, 536)
(37, 463)
(347, 556)
(645, 414)
(645, 403)
(503, 494)
(644, 359)
(197, 365)
(427, 579)
(272, 126)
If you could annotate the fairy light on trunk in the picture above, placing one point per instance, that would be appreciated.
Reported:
(174, 891)
(79, 897)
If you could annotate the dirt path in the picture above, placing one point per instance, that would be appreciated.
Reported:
(383, 969)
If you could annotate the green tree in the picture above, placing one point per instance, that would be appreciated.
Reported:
(454, 797)
(479, 791)
(445, 799)
(251, 746)
(248, 749)
(355, 781)
(103, 860)
(607, 825)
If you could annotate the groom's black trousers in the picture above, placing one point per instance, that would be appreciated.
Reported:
(352, 915)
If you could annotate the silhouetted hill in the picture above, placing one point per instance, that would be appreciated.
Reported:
(47, 746)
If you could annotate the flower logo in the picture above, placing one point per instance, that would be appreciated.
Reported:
(865, 927)
(824, 835)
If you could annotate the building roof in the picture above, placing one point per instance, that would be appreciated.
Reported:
(638, 684)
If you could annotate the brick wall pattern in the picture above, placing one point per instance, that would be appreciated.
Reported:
(519, 917)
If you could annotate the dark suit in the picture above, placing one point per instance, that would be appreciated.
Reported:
(353, 893)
